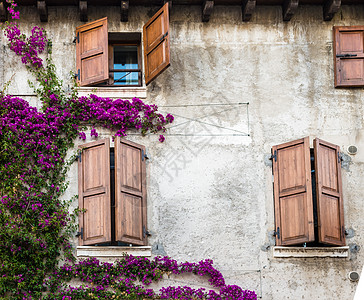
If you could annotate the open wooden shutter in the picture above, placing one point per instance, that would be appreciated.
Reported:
(156, 44)
(130, 192)
(330, 209)
(293, 193)
(349, 56)
(92, 52)
(94, 193)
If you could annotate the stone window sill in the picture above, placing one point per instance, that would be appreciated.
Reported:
(111, 253)
(114, 92)
(283, 252)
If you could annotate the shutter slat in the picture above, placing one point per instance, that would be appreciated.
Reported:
(293, 193)
(92, 52)
(130, 194)
(156, 44)
(349, 70)
(330, 207)
(94, 192)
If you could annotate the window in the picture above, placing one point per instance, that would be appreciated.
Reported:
(349, 56)
(115, 58)
(112, 193)
(307, 213)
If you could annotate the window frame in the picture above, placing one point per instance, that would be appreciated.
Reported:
(111, 46)
(92, 58)
(294, 198)
(97, 223)
(344, 60)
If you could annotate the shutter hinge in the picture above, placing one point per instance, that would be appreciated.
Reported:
(80, 233)
(163, 36)
(339, 157)
(144, 155)
(77, 38)
(277, 233)
(346, 55)
(145, 232)
(274, 156)
(78, 75)
(79, 156)
(343, 231)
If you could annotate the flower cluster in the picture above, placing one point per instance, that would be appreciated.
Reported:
(28, 48)
(119, 115)
(121, 280)
(11, 9)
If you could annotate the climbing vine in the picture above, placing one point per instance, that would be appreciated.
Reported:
(36, 260)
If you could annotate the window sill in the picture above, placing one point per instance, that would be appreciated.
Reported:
(114, 92)
(112, 252)
(283, 252)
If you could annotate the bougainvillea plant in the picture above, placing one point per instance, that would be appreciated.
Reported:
(35, 223)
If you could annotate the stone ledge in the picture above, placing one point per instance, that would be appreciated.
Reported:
(112, 252)
(282, 252)
(114, 92)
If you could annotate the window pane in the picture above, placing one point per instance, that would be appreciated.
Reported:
(126, 58)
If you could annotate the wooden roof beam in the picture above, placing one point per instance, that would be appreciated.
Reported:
(289, 9)
(3, 11)
(43, 10)
(331, 7)
(207, 8)
(248, 9)
(124, 10)
(83, 11)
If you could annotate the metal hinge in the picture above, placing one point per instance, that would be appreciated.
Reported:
(277, 233)
(163, 36)
(144, 155)
(145, 232)
(79, 156)
(339, 158)
(78, 75)
(77, 38)
(80, 233)
(274, 156)
(346, 55)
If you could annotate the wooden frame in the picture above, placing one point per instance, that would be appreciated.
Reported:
(111, 64)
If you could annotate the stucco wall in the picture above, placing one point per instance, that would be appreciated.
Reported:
(210, 193)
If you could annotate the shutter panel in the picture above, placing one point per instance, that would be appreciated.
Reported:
(293, 193)
(92, 52)
(130, 193)
(330, 211)
(94, 192)
(156, 44)
(349, 56)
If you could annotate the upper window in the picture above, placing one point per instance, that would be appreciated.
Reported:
(308, 199)
(115, 59)
(112, 193)
(349, 56)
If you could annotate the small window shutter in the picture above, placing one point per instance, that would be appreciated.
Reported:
(349, 56)
(293, 193)
(130, 193)
(156, 44)
(94, 193)
(92, 53)
(330, 211)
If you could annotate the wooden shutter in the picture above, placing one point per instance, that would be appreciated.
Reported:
(92, 52)
(130, 193)
(349, 56)
(293, 193)
(330, 211)
(94, 193)
(156, 44)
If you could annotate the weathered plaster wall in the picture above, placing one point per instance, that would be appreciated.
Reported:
(209, 193)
